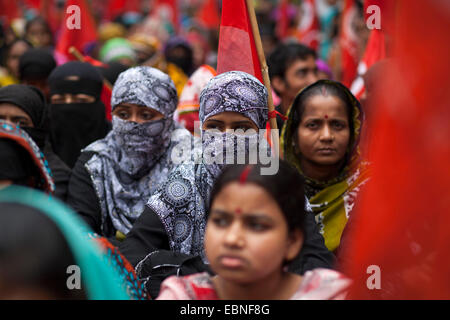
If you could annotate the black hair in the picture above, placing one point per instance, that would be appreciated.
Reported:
(332, 88)
(284, 55)
(286, 187)
(34, 254)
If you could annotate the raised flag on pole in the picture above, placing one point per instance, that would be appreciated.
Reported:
(375, 51)
(348, 41)
(308, 30)
(78, 30)
(237, 50)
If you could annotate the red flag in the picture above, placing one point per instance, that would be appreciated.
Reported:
(94, 62)
(52, 14)
(117, 7)
(282, 28)
(106, 99)
(308, 30)
(237, 50)
(375, 51)
(9, 11)
(402, 229)
(78, 29)
(209, 14)
(348, 42)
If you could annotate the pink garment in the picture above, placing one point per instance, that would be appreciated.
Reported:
(318, 284)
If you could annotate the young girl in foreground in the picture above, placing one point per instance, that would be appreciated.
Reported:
(255, 228)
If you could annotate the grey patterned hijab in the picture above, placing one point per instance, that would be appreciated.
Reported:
(181, 202)
(133, 158)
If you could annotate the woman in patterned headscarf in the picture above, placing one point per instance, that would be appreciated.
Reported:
(115, 176)
(320, 138)
(172, 226)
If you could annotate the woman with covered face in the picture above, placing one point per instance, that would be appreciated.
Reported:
(77, 115)
(114, 177)
(24, 105)
(175, 215)
(321, 140)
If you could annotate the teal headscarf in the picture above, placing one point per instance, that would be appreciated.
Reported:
(101, 281)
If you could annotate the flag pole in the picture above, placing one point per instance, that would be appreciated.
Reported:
(77, 54)
(264, 69)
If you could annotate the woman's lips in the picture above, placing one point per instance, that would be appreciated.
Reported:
(231, 262)
(326, 151)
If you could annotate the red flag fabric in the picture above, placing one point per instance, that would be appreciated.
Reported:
(78, 29)
(398, 247)
(308, 30)
(375, 51)
(9, 11)
(94, 62)
(209, 14)
(282, 27)
(117, 7)
(348, 42)
(106, 99)
(52, 14)
(237, 50)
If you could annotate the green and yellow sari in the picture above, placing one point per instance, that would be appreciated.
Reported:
(331, 201)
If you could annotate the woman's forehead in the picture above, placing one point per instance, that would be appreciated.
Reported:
(320, 105)
(230, 116)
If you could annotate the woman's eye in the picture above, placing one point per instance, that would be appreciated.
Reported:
(242, 127)
(338, 125)
(123, 115)
(256, 226)
(147, 116)
(312, 125)
(220, 222)
(212, 126)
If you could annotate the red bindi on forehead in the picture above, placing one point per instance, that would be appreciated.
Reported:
(326, 116)
(238, 211)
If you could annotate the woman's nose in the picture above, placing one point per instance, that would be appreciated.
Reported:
(326, 133)
(234, 236)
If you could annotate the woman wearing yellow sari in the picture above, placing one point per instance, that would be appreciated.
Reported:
(321, 139)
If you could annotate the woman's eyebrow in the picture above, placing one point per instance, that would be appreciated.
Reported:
(213, 120)
(242, 122)
(257, 216)
(220, 212)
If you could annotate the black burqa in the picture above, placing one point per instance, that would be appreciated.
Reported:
(76, 125)
(32, 102)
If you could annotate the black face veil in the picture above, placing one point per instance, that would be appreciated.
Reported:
(74, 126)
(32, 101)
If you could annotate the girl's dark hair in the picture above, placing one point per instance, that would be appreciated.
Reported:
(318, 88)
(286, 187)
(33, 252)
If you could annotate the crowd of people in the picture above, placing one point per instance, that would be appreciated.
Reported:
(94, 180)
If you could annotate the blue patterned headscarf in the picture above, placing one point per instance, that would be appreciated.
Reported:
(134, 158)
(182, 201)
(235, 91)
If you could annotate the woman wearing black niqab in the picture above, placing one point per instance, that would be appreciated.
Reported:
(31, 101)
(77, 115)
